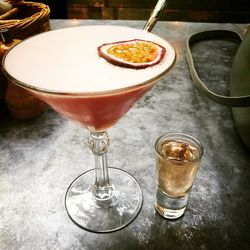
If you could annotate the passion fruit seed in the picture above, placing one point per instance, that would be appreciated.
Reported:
(138, 52)
(133, 53)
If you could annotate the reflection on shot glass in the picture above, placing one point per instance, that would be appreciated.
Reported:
(178, 158)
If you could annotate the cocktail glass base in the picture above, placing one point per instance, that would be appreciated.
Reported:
(103, 215)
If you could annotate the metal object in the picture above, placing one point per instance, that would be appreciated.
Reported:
(155, 15)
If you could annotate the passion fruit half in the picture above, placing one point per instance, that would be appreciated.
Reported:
(136, 53)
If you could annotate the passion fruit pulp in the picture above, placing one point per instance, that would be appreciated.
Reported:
(136, 53)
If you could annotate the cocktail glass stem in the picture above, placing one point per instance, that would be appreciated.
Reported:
(103, 199)
(103, 190)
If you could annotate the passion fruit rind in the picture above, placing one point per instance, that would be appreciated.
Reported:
(103, 52)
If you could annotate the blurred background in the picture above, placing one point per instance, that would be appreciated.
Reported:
(237, 11)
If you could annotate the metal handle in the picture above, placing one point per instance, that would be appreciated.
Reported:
(155, 15)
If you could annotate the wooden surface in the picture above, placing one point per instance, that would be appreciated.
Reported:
(177, 10)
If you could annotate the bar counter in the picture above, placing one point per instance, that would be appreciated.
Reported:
(39, 158)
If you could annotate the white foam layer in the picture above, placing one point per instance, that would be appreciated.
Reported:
(66, 60)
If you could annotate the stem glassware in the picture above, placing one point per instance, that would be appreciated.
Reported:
(63, 69)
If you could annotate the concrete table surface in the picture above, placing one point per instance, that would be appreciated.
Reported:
(39, 158)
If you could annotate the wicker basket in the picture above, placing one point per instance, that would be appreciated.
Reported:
(26, 19)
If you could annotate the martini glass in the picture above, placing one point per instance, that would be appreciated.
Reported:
(63, 69)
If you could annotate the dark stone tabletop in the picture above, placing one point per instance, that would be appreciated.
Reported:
(39, 158)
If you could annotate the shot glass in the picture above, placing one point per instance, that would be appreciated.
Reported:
(178, 158)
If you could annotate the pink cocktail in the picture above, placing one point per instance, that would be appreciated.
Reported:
(98, 111)
(63, 69)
